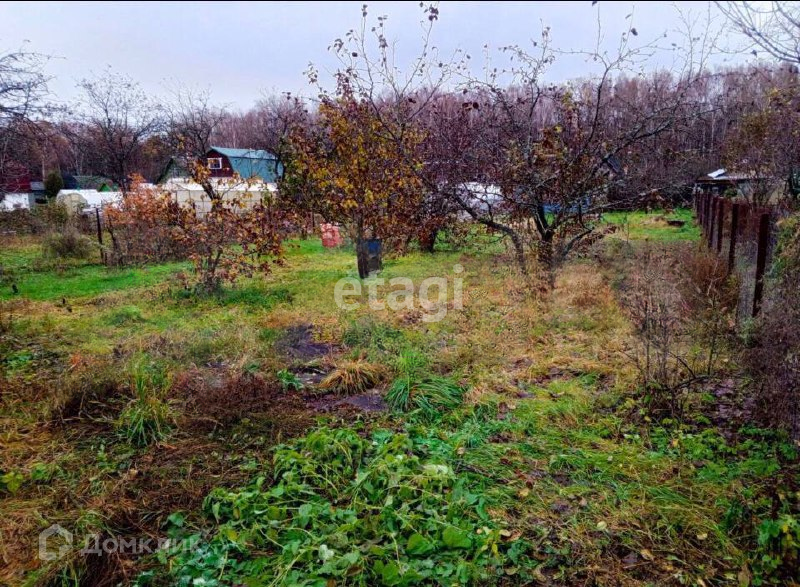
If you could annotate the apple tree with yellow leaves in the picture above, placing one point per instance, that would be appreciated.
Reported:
(353, 170)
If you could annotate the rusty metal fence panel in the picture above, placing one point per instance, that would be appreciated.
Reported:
(743, 235)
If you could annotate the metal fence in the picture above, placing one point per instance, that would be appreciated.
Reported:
(744, 235)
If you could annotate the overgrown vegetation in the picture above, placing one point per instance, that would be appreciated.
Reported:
(512, 442)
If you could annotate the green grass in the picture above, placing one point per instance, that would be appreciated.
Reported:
(652, 226)
(86, 281)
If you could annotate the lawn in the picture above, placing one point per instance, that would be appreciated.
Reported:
(653, 225)
(276, 439)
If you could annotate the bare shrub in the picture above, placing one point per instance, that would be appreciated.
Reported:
(69, 244)
(710, 298)
(19, 222)
(144, 228)
(682, 303)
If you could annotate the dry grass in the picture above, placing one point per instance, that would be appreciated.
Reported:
(349, 377)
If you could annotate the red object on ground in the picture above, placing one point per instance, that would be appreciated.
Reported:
(330, 235)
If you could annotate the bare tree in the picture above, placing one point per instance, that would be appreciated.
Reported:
(23, 89)
(119, 116)
(192, 121)
(773, 27)
(516, 154)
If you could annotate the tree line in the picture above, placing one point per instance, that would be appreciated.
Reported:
(403, 155)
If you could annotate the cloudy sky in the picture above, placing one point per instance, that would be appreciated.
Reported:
(241, 50)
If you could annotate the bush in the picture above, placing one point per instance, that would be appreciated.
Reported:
(19, 222)
(53, 184)
(54, 216)
(143, 229)
(69, 244)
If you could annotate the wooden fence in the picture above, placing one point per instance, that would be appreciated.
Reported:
(745, 236)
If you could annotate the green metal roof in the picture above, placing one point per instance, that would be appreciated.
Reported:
(249, 163)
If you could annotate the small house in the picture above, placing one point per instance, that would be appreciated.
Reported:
(257, 172)
(88, 182)
(225, 163)
(720, 181)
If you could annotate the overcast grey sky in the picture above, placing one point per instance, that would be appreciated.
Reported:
(241, 49)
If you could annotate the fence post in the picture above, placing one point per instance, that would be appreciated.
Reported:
(720, 217)
(100, 235)
(734, 231)
(711, 217)
(761, 261)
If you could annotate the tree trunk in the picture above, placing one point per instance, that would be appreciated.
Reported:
(427, 240)
(546, 259)
(362, 257)
(519, 252)
(368, 254)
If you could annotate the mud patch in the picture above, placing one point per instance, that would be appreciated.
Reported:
(298, 343)
(310, 375)
(364, 402)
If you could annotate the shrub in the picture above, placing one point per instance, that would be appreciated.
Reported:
(54, 216)
(232, 236)
(144, 229)
(69, 244)
(53, 184)
(19, 221)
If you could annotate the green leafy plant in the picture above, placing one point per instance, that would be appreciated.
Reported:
(11, 481)
(779, 548)
(289, 380)
(343, 509)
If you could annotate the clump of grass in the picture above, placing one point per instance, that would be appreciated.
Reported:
(125, 315)
(148, 418)
(431, 396)
(289, 380)
(416, 389)
(368, 332)
(353, 377)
